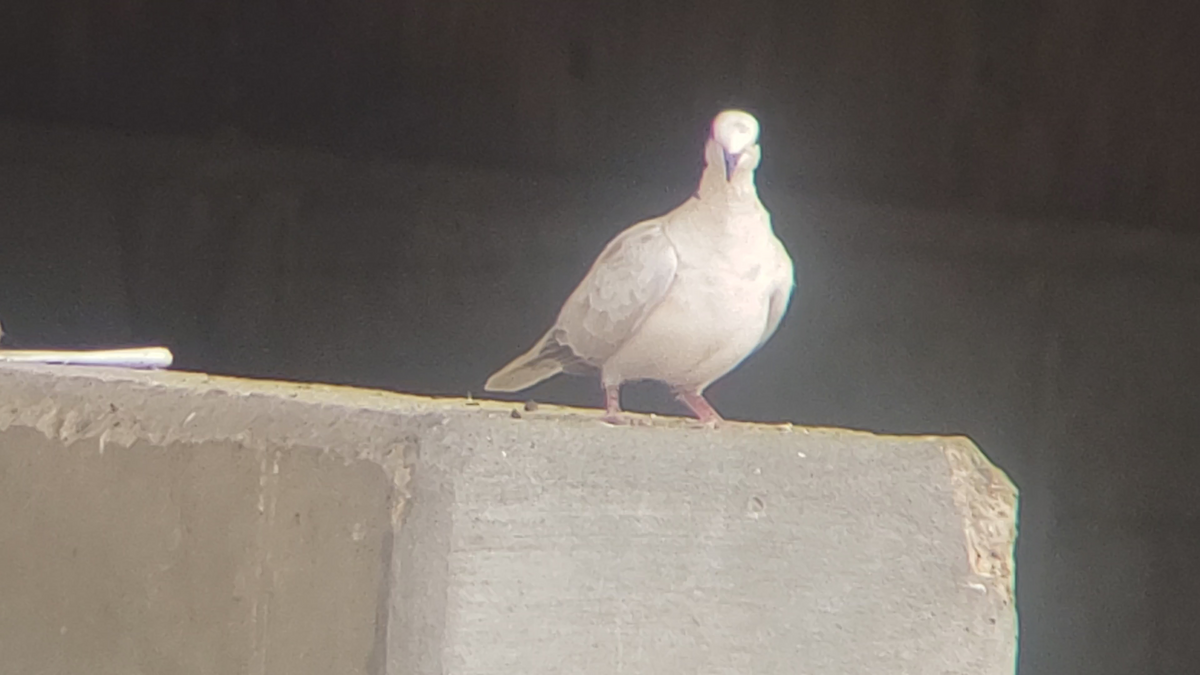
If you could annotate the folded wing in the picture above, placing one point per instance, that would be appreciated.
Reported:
(625, 284)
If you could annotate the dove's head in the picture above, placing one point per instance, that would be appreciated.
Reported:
(736, 132)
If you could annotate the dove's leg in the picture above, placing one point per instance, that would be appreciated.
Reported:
(699, 406)
(612, 405)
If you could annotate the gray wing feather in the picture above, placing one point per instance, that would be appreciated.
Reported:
(627, 281)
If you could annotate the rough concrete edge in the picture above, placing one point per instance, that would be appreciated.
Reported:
(362, 399)
(376, 400)
(987, 500)
(983, 492)
(117, 427)
(113, 426)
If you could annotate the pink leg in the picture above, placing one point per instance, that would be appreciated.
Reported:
(700, 407)
(612, 405)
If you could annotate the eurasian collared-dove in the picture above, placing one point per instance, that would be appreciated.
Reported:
(682, 298)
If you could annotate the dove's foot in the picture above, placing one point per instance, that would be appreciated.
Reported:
(701, 408)
(612, 406)
(617, 420)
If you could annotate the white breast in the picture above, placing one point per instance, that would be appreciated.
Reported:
(713, 317)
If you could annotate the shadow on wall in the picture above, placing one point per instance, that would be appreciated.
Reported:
(1069, 356)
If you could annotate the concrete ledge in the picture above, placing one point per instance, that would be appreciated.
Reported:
(173, 522)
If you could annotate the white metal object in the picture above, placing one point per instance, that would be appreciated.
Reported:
(137, 357)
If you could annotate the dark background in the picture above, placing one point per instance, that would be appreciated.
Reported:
(992, 206)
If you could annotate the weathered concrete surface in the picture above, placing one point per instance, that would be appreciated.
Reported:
(177, 523)
(1068, 352)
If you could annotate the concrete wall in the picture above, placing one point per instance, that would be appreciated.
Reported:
(1067, 352)
(176, 523)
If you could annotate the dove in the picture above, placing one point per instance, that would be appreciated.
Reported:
(683, 298)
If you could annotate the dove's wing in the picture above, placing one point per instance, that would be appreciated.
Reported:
(781, 295)
(626, 283)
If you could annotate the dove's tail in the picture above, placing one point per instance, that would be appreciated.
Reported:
(526, 370)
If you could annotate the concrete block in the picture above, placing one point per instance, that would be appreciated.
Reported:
(177, 523)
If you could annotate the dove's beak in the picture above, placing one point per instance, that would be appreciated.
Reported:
(731, 161)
